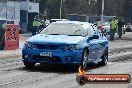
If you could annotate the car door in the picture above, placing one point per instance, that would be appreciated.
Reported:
(93, 48)
(102, 44)
(93, 44)
(100, 47)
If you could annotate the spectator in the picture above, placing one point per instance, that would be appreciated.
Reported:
(113, 27)
(35, 27)
(120, 25)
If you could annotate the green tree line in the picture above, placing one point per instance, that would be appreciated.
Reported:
(87, 7)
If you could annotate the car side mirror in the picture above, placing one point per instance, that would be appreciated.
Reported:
(95, 37)
(95, 24)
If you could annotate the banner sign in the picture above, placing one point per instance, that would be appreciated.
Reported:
(12, 37)
(83, 78)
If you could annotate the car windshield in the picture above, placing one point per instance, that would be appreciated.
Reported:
(106, 24)
(70, 29)
(103, 23)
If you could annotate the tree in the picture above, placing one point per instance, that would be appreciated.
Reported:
(88, 7)
(99, 7)
(127, 13)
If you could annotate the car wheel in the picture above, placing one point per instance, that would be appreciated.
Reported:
(84, 58)
(104, 58)
(108, 33)
(123, 32)
(29, 65)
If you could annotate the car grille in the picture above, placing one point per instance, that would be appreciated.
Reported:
(43, 58)
(49, 47)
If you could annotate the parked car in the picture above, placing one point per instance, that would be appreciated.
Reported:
(99, 25)
(124, 29)
(66, 42)
(105, 28)
(129, 28)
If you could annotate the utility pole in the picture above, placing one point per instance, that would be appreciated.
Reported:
(60, 8)
(6, 10)
(14, 11)
(102, 11)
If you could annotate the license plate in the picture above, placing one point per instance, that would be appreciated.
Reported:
(48, 54)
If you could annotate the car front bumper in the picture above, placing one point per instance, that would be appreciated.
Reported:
(58, 56)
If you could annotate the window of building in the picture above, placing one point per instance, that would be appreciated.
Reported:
(34, 1)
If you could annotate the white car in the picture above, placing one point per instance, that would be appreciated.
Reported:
(129, 28)
(106, 28)
(103, 27)
(124, 29)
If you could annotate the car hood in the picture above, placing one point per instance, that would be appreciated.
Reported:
(106, 27)
(56, 39)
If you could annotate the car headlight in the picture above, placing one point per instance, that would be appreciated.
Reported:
(28, 45)
(70, 47)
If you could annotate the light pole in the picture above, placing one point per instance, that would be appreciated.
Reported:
(14, 11)
(102, 11)
(60, 8)
(6, 10)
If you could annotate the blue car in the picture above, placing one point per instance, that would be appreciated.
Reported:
(66, 42)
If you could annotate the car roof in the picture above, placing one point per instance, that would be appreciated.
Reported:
(72, 22)
(86, 24)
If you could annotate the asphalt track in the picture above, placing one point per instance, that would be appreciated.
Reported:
(13, 74)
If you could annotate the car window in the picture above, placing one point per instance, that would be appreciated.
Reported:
(95, 31)
(65, 29)
(91, 31)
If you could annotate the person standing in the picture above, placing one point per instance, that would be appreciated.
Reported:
(113, 27)
(35, 27)
(120, 25)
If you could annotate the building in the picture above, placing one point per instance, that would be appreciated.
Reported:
(9, 12)
(19, 12)
(128, 11)
(28, 10)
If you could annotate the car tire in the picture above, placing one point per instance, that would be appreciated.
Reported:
(104, 58)
(84, 59)
(124, 32)
(29, 65)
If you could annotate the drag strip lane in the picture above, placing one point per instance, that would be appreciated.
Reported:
(14, 75)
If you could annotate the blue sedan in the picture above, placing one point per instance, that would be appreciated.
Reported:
(66, 42)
